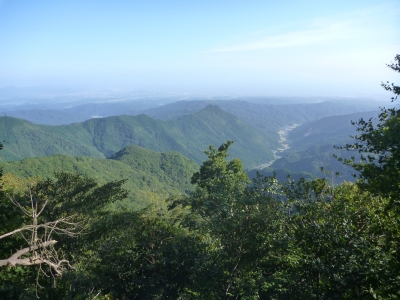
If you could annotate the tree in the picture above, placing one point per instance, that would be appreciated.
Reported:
(144, 254)
(378, 142)
(239, 222)
(40, 238)
(338, 235)
(45, 226)
(380, 147)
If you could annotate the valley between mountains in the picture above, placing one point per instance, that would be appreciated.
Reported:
(101, 147)
(169, 201)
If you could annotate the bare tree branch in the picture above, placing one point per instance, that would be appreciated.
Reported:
(53, 225)
(15, 259)
(40, 250)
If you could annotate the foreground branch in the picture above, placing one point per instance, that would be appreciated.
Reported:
(15, 259)
(39, 236)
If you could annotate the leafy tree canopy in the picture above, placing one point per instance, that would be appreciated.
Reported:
(380, 147)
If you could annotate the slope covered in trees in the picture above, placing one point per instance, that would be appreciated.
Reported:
(334, 130)
(227, 239)
(104, 137)
(311, 146)
(144, 170)
(267, 118)
(315, 162)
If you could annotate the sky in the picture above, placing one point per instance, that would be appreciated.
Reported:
(243, 48)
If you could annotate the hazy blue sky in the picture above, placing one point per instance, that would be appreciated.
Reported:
(306, 48)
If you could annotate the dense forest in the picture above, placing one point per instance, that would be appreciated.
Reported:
(143, 224)
(103, 137)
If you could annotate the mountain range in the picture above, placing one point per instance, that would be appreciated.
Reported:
(189, 135)
(189, 127)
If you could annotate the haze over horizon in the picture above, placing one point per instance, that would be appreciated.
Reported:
(290, 48)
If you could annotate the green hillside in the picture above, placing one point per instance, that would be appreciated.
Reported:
(335, 130)
(313, 159)
(308, 164)
(23, 139)
(312, 147)
(103, 137)
(145, 170)
(212, 124)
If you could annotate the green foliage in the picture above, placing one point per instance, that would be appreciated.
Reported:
(164, 173)
(306, 240)
(379, 145)
(144, 255)
(230, 238)
(216, 171)
(340, 242)
(240, 224)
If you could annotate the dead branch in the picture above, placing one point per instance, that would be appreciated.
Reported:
(40, 237)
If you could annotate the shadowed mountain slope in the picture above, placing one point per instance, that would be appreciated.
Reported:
(308, 164)
(335, 130)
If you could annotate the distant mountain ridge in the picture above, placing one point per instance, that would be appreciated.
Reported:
(79, 113)
(248, 111)
(269, 116)
(103, 137)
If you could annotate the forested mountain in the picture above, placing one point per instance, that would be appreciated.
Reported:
(145, 170)
(285, 113)
(267, 118)
(315, 162)
(335, 130)
(312, 147)
(103, 137)
(24, 139)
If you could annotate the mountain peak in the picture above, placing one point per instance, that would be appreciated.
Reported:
(212, 107)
